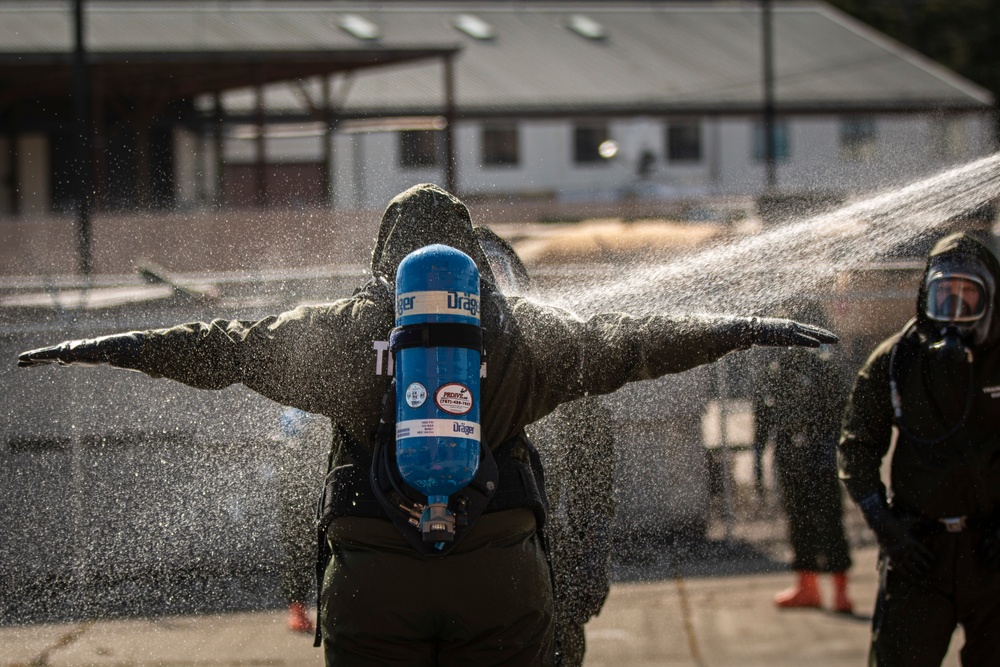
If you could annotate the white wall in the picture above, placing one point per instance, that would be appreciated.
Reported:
(368, 174)
(33, 171)
(187, 169)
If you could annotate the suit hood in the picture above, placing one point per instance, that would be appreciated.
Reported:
(420, 216)
(967, 251)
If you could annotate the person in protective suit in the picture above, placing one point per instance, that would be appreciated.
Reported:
(803, 408)
(302, 446)
(576, 447)
(489, 600)
(938, 383)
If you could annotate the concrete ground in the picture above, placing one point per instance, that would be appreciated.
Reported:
(701, 603)
(713, 621)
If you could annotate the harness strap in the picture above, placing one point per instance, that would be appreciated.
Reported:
(434, 334)
(501, 483)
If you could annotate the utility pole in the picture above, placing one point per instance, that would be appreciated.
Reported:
(450, 114)
(769, 128)
(83, 190)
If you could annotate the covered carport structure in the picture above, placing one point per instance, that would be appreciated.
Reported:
(76, 68)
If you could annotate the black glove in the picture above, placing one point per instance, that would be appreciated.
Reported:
(775, 332)
(895, 536)
(991, 549)
(117, 350)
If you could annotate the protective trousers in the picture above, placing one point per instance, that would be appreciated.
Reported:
(811, 494)
(914, 619)
(488, 602)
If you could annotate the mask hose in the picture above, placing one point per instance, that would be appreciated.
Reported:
(897, 400)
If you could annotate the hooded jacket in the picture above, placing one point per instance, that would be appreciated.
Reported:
(945, 464)
(333, 359)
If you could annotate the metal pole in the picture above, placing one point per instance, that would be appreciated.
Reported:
(82, 131)
(725, 450)
(220, 158)
(451, 177)
(260, 166)
(329, 194)
(769, 114)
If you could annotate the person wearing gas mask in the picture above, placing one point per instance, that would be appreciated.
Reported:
(484, 599)
(576, 447)
(936, 384)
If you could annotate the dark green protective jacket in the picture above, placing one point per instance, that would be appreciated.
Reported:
(333, 359)
(954, 476)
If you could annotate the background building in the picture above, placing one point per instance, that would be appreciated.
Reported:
(558, 102)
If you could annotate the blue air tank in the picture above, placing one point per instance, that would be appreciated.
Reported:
(437, 344)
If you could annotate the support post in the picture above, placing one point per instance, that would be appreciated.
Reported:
(451, 176)
(767, 46)
(220, 158)
(260, 164)
(83, 178)
(329, 123)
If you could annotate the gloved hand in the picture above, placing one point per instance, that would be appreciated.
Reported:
(117, 349)
(776, 332)
(895, 536)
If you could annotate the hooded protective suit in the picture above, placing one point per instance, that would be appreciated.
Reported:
(945, 476)
(489, 601)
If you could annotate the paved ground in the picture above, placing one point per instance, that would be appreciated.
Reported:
(705, 603)
(686, 621)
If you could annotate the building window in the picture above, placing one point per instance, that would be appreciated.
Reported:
(500, 144)
(418, 148)
(684, 141)
(588, 140)
(857, 139)
(947, 137)
(782, 145)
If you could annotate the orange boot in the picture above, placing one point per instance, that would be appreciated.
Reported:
(298, 619)
(841, 603)
(804, 594)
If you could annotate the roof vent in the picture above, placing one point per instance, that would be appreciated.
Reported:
(586, 26)
(359, 26)
(474, 27)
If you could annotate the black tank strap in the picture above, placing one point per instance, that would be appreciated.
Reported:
(467, 336)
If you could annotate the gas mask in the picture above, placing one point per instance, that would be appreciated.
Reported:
(959, 300)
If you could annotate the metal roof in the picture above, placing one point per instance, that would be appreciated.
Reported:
(175, 51)
(660, 58)
(652, 58)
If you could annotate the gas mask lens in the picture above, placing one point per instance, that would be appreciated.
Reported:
(955, 298)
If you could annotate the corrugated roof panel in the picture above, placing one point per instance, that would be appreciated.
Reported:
(655, 56)
(671, 56)
(35, 30)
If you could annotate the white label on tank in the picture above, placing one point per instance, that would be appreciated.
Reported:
(437, 428)
(453, 398)
(438, 303)
(416, 394)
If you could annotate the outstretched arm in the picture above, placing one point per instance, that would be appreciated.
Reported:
(864, 442)
(776, 332)
(280, 357)
(116, 350)
(599, 355)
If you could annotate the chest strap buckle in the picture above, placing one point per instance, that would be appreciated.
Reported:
(954, 524)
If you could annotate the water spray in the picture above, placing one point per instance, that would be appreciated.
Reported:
(766, 269)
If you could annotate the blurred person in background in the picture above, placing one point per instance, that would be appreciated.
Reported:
(799, 402)
(576, 447)
(303, 452)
